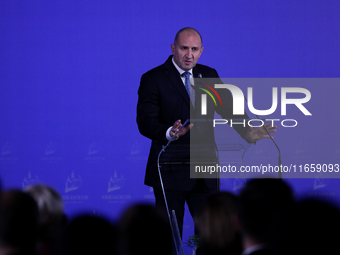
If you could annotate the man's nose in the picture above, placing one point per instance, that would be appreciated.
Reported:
(189, 53)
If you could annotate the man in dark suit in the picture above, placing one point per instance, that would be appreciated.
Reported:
(165, 102)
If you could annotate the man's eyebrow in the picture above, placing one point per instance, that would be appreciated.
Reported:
(184, 46)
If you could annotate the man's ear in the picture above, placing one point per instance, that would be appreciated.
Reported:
(173, 48)
(201, 50)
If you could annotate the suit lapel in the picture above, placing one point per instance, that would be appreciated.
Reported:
(176, 80)
(195, 73)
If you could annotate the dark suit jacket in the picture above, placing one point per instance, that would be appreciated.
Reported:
(162, 100)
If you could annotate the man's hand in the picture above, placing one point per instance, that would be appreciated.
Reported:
(257, 133)
(177, 126)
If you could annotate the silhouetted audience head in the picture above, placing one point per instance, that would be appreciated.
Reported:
(48, 200)
(0, 192)
(18, 223)
(217, 225)
(311, 227)
(144, 230)
(51, 217)
(262, 203)
(89, 235)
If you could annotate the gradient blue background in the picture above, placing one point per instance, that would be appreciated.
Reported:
(70, 72)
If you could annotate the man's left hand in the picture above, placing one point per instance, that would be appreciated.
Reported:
(257, 133)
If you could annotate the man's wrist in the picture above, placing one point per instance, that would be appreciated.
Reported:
(167, 134)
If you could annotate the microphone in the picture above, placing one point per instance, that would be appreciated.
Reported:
(277, 147)
(164, 195)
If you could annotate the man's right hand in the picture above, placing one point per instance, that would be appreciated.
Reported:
(177, 125)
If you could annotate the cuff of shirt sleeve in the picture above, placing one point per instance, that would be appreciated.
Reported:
(168, 134)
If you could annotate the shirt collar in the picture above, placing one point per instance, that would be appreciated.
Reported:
(180, 70)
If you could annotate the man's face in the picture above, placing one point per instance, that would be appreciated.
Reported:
(187, 50)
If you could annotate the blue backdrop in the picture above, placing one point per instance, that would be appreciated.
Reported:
(70, 72)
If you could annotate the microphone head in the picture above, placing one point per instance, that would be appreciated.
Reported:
(199, 75)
